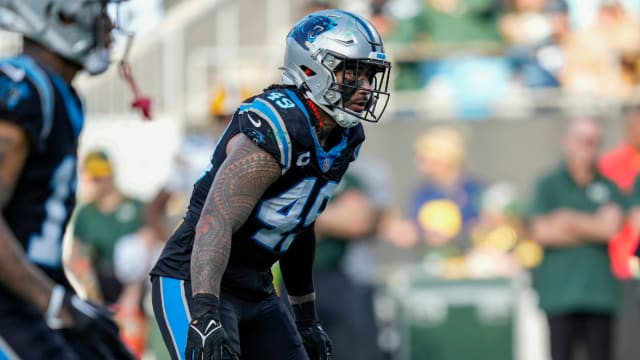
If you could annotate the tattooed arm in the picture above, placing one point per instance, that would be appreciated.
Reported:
(238, 186)
(16, 272)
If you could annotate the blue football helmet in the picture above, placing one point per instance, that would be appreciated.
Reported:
(326, 42)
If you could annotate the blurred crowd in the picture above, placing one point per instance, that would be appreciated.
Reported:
(474, 59)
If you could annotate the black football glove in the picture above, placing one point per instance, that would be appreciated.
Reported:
(91, 323)
(316, 342)
(206, 339)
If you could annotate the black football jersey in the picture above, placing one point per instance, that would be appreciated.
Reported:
(279, 122)
(51, 115)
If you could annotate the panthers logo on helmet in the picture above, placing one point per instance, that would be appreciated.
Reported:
(308, 30)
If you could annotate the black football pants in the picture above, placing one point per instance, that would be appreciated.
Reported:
(256, 330)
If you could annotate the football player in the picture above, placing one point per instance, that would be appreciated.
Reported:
(271, 174)
(41, 117)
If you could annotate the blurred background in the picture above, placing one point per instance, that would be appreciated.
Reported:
(483, 91)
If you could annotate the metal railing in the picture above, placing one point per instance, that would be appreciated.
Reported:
(173, 65)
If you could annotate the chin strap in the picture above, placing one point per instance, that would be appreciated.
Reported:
(315, 111)
(140, 102)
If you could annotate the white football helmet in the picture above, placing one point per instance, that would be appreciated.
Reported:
(326, 42)
(74, 29)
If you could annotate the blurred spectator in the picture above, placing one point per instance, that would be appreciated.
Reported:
(601, 58)
(469, 86)
(550, 53)
(535, 30)
(344, 269)
(443, 25)
(574, 212)
(110, 252)
(99, 224)
(625, 252)
(447, 202)
(458, 21)
(165, 208)
(500, 246)
(525, 23)
(622, 164)
(380, 17)
(622, 30)
(634, 219)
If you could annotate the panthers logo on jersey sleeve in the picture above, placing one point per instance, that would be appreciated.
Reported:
(26, 98)
(263, 122)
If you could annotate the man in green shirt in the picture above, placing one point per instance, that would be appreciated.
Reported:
(112, 223)
(99, 224)
(574, 213)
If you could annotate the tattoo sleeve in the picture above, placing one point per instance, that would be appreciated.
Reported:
(238, 186)
(16, 272)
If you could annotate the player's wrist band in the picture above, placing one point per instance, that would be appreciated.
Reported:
(205, 303)
(305, 313)
(55, 304)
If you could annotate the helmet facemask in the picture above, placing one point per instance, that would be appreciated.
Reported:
(359, 90)
(99, 57)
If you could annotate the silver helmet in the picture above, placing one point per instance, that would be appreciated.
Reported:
(74, 29)
(329, 41)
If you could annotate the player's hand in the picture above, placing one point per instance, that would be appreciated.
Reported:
(205, 338)
(89, 322)
(316, 342)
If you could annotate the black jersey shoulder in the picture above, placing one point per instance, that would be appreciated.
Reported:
(279, 121)
(27, 98)
(275, 120)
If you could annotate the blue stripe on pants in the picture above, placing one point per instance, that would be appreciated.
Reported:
(6, 353)
(176, 312)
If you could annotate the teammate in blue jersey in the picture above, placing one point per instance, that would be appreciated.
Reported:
(271, 174)
(41, 117)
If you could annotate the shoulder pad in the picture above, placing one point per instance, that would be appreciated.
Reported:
(26, 97)
(292, 109)
(261, 121)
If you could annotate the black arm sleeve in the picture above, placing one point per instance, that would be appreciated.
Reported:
(297, 263)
